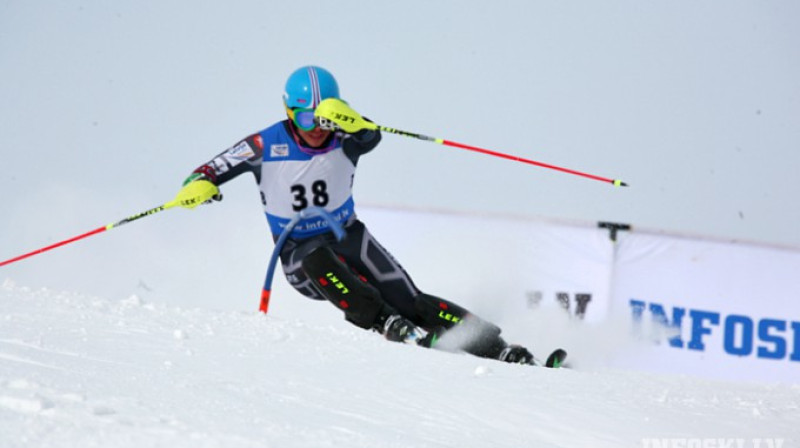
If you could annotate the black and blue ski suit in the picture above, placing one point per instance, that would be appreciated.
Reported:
(292, 176)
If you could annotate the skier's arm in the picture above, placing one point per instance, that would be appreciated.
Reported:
(361, 143)
(201, 185)
(242, 157)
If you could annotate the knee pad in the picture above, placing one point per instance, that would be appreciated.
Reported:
(361, 302)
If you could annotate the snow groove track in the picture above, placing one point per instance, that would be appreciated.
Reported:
(85, 371)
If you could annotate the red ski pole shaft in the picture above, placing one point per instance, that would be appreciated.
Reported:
(53, 246)
(615, 182)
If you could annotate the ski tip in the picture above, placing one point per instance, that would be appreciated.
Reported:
(556, 359)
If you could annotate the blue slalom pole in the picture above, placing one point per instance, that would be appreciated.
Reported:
(310, 212)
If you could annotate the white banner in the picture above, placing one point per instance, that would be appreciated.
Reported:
(699, 307)
(720, 309)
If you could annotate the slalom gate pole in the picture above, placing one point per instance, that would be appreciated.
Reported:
(310, 212)
(152, 211)
(615, 182)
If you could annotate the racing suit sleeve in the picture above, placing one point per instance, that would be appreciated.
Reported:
(244, 156)
(360, 143)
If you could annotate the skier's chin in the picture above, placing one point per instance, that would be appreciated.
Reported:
(315, 137)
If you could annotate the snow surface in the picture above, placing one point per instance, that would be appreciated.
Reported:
(77, 370)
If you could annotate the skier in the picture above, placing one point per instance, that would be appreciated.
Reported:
(307, 161)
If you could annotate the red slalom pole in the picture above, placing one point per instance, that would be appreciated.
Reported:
(615, 182)
(92, 232)
(53, 246)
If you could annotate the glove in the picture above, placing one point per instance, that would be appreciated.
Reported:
(196, 192)
(333, 113)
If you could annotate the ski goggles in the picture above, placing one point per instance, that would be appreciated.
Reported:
(302, 117)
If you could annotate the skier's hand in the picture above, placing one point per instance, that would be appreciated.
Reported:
(333, 113)
(196, 192)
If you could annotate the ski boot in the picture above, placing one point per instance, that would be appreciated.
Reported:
(397, 328)
(516, 354)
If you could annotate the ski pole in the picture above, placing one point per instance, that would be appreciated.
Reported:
(615, 182)
(309, 212)
(152, 211)
(333, 113)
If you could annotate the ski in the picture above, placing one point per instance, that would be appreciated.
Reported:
(422, 338)
(556, 359)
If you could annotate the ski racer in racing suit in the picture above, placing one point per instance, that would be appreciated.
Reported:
(296, 164)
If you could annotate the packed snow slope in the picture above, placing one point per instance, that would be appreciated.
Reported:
(77, 370)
